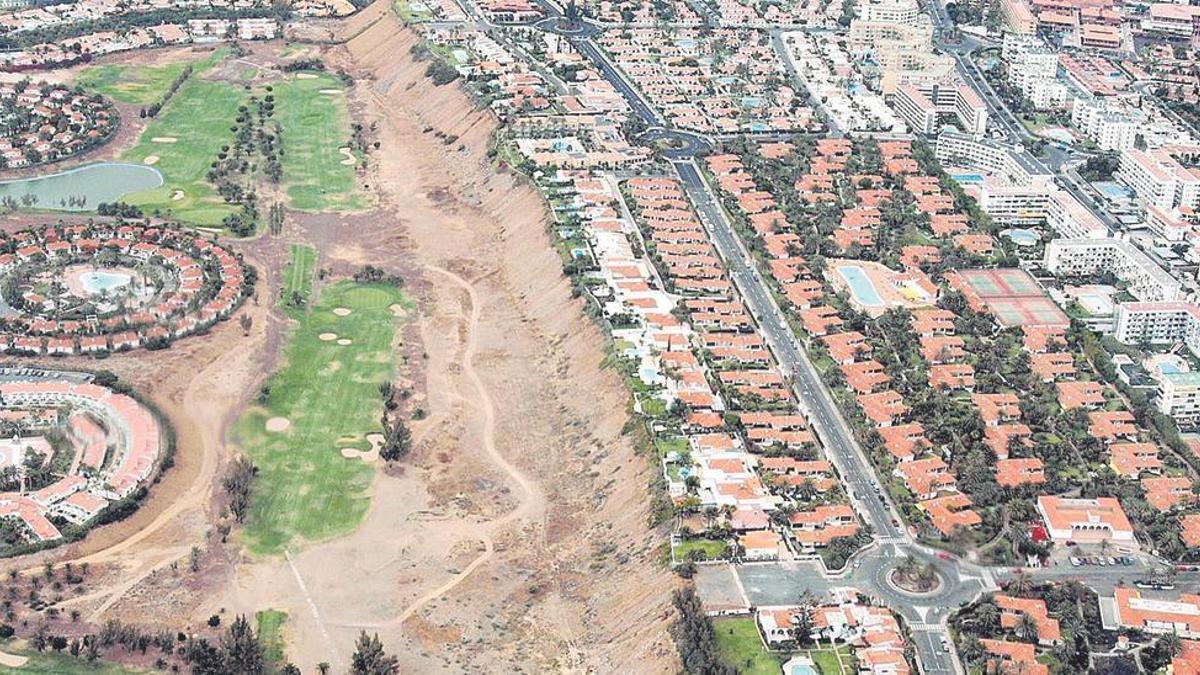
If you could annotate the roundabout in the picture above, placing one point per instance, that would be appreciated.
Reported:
(913, 578)
(94, 289)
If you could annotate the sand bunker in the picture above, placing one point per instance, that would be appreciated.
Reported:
(345, 341)
(347, 155)
(376, 441)
(12, 660)
(341, 311)
(329, 92)
(398, 310)
(163, 139)
(150, 160)
(177, 195)
(278, 424)
(327, 337)
(305, 76)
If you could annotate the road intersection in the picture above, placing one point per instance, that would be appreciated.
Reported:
(869, 570)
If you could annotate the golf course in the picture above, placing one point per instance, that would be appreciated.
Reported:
(323, 402)
(197, 124)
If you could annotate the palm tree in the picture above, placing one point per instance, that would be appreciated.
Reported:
(1027, 628)
(1021, 583)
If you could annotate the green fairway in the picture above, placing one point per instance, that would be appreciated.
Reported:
(297, 276)
(315, 125)
(198, 118)
(141, 85)
(329, 394)
(50, 663)
(740, 646)
(269, 630)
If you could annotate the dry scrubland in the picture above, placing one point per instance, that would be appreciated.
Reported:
(563, 569)
(516, 535)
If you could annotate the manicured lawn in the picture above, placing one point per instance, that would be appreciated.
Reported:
(410, 14)
(306, 490)
(140, 85)
(826, 660)
(49, 663)
(270, 633)
(298, 276)
(315, 125)
(739, 646)
(199, 117)
(677, 444)
(710, 549)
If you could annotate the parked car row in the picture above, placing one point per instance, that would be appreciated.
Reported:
(1101, 560)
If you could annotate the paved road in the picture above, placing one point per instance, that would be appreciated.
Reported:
(856, 472)
(961, 582)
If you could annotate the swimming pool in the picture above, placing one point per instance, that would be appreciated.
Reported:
(861, 286)
(968, 178)
(1022, 237)
(96, 282)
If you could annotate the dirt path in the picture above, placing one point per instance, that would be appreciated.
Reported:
(532, 504)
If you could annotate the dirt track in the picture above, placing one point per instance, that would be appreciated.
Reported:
(553, 571)
(516, 536)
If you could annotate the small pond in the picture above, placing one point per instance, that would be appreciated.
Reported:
(81, 189)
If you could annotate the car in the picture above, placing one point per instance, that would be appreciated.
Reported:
(1126, 560)
(943, 555)
(882, 499)
(1102, 562)
(1111, 561)
(1075, 561)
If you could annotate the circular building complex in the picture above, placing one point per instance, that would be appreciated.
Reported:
(92, 289)
(70, 450)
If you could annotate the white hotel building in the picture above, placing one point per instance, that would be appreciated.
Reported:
(1159, 178)
(923, 105)
(1159, 323)
(1084, 257)
(1015, 193)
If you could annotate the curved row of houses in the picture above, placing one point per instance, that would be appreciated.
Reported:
(211, 283)
(101, 419)
(47, 122)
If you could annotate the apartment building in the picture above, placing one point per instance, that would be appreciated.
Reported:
(959, 149)
(1169, 18)
(925, 105)
(1033, 69)
(1066, 216)
(1111, 127)
(1017, 17)
(1160, 178)
(1179, 397)
(1157, 323)
(1085, 257)
(893, 11)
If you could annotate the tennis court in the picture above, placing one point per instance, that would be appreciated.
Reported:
(1014, 297)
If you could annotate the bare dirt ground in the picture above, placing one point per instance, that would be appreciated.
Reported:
(519, 539)
(515, 537)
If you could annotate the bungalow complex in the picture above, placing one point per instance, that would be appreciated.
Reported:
(1179, 617)
(741, 447)
(202, 283)
(873, 633)
(117, 444)
(702, 94)
(51, 122)
(78, 41)
(918, 465)
(719, 368)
